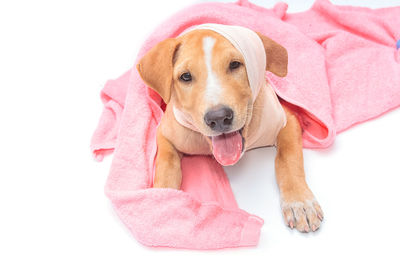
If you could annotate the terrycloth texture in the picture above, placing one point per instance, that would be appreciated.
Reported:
(344, 68)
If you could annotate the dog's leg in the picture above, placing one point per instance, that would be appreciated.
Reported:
(299, 207)
(168, 164)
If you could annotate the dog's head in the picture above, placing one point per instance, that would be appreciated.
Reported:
(205, 78)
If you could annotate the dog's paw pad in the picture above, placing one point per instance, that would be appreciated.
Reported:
(305, 216)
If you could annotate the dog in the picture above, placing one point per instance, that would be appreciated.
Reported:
(212, 109)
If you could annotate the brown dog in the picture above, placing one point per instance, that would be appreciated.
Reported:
(189, 73)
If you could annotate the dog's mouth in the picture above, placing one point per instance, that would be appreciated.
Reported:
(227, 148)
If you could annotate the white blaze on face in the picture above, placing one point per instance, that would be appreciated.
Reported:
(213, 87)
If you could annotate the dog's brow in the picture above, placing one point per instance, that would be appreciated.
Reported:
(213, 88)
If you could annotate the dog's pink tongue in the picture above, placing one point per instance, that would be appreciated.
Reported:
(227, 148)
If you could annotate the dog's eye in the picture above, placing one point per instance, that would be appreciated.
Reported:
(234, 65)
(186, 77)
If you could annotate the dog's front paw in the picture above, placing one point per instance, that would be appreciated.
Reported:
(305, 215)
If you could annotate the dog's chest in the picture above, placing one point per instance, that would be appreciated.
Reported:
(193, 144)
(267, 120)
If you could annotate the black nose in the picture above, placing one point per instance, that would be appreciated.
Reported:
(219, 119)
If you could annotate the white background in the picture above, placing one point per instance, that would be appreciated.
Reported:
(55, 56)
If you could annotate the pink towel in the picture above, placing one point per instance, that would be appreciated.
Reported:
(344, 68)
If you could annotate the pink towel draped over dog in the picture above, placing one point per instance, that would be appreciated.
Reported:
(344, 68)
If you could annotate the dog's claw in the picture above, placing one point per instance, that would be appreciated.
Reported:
(305, 216)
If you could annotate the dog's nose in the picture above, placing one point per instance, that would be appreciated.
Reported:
(219, 119)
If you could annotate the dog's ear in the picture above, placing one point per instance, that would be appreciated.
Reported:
(277, 56)
(156, 67)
